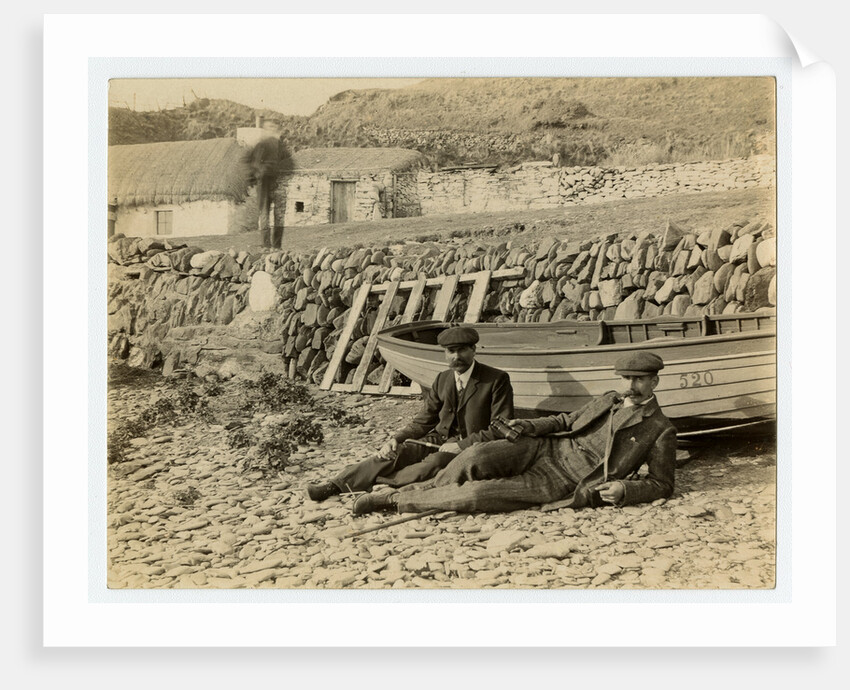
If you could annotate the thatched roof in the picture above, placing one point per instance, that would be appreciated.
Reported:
(355, 160)
(178, 171)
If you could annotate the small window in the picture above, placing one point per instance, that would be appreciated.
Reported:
(164, 222)
(299, 207)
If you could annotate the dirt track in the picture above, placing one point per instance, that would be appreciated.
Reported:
(705, 210)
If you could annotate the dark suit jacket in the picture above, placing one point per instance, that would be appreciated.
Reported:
(487, 394)
(642, 435)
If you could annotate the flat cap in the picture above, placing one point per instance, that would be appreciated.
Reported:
(638, 364)
(458, 335)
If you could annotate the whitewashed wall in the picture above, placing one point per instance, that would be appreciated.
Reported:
(190, 219)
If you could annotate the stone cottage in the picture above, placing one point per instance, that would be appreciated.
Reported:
(338, 185)
(184, 188)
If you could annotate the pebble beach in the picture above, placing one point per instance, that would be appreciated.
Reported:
(182, 512)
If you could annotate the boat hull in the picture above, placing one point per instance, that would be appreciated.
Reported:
(708, 382)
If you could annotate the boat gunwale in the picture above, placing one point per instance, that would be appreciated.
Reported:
(390, 335)
(607, 366)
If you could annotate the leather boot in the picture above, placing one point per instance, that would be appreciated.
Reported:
(370, 503)
(320, 492)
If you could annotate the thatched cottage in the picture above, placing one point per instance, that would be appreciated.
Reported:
(338, 185)
(183, 188)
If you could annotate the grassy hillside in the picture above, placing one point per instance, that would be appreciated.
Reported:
(614, 121)
(204, 118)
(586, 121)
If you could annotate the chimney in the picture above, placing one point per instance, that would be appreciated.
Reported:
(251, 136)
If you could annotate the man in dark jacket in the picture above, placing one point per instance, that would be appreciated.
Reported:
(460, 405)
(587, 458)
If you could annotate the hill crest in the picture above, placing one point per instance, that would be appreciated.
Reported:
(600, 121)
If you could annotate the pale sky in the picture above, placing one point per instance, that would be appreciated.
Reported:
(287, 96)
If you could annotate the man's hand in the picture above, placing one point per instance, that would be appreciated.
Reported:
(522, 426)
(612, 492)
(450, 447)
(388, 450)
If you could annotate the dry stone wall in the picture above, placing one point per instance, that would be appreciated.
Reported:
(545, 185)
(233, 313)
(425, 139)
(405, 195)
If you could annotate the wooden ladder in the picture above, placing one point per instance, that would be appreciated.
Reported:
(447, 286)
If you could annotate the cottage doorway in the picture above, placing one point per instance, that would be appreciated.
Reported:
(342, 201)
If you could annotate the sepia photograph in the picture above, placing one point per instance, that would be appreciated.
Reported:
(442, 333)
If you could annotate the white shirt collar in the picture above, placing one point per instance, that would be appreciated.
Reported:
(628, 402)
(463, 378)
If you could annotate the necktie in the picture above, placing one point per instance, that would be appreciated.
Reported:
(610, 441)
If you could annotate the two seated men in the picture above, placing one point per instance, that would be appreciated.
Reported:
(586, 458)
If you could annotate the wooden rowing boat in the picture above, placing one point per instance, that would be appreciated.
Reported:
(719, 373)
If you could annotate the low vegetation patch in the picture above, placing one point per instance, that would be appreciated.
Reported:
(186, 497)
(268, 446)
(239, 438)
(158, 414)
(270, 450)
(272, 393)
(339, 416)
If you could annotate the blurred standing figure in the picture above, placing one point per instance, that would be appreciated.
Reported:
(377, 201)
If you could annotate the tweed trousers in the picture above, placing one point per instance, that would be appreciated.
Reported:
(413, 463)
(497, 476)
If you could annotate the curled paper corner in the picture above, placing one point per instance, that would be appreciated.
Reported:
(796, 48)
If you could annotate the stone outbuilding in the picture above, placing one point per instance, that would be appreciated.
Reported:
(183, 188)
(338, 185)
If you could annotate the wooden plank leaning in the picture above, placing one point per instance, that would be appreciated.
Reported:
(357, 305)
(444, 298)
(372, 343)
(476, 298)
(480, 281)
(413, 301)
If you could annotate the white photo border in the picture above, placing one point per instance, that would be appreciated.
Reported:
(80, 610)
